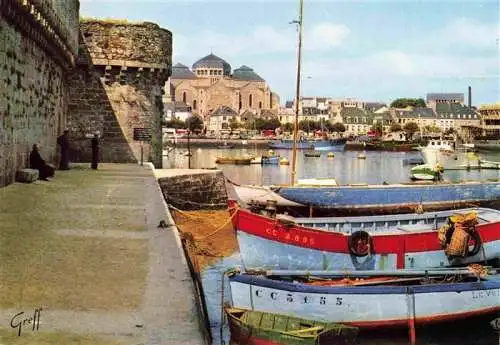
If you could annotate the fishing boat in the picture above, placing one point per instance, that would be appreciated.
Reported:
(487, 145)
(248, 327)
(366, 243)
(395, 299)
(256, 160)
(426, 172)
(413, 161)
(489, 165)
(255, 194)
(312, 154)
(392, 198)
(270, 158)
(337, 144)
(234, 160)
(225, 145)
(443, 152)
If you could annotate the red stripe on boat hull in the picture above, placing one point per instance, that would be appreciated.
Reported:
(336, 242)
(425, 320)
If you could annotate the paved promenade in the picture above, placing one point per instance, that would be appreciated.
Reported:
(85, 247)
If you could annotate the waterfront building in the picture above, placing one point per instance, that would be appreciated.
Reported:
(211, 84)
(433, 99)
(177, 110)
(356, 121)
(490, 120)
(220, 119)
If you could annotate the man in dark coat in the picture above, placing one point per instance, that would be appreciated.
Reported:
(63, 141)
(37, 162)
(95, 151)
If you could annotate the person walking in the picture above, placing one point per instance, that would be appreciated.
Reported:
(63, 141)
(95, 151)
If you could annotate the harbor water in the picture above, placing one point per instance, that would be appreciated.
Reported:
(345, 167)
(378, 167)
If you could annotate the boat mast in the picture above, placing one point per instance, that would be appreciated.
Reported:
(297, 95)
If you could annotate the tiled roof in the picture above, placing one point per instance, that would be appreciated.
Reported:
(181, 106)
(246, 73)
(224, 110)
(420, 112)
(352, 112)
(373, 106)
(445, 96)
(444, 110)
(180, 71)
(213, 61)
(247, 115)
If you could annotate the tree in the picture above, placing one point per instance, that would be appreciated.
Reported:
(194, 123)
(273, 124)
(234, 124)
(432, 129)
(378, 128)
(396, 127)
(410, 128)
(309, 125)
(175, 123)
(405, 102)
(287, 127)
(338, 127)
(450, 131)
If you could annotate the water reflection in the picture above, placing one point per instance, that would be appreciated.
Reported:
(378, 167)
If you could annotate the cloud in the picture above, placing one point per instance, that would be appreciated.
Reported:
(394, 64)
(465, 31)
(261, 40)
(326, 35)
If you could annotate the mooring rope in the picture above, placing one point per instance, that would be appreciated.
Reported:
(180, 200)
(219, 228)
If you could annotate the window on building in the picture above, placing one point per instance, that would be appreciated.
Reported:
(184, 97)
(223, 118)
(260, 105)
(194, 104)
(250, 100)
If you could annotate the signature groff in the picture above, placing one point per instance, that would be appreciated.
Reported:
(20, 320)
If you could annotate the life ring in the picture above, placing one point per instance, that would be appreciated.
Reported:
(360, 243)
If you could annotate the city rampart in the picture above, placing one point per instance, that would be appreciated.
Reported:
(38, 45)
(117, 88)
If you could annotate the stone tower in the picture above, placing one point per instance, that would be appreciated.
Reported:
(117, 87)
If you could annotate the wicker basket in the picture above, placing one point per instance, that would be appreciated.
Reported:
(459, 244)
(443, 230)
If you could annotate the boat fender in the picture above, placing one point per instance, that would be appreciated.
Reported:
(360, 243)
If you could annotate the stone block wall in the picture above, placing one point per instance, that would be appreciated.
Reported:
(195, 190)
(36, 50)
(118, 86)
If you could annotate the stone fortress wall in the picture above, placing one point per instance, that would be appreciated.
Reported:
(57, 72)
(118, 86)
(38, 45)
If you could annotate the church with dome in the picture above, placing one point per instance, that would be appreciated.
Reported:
(211, 85)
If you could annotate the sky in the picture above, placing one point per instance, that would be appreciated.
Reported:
(371, 50)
